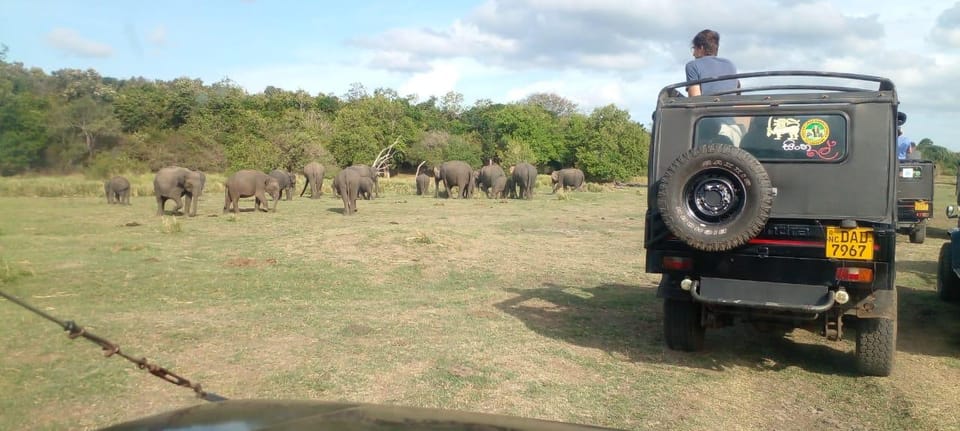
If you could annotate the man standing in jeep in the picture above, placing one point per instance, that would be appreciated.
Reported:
(706, 64)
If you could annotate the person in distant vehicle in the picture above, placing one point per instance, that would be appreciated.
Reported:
(706, 64)
(913, 153)
(903, 144)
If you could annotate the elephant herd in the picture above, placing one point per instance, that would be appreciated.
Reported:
(493, 181)
(185, 186)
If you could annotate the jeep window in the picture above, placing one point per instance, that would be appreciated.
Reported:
(793, 138)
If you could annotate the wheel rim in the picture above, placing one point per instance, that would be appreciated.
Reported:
(715, 196)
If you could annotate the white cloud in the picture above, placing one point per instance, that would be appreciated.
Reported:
(70, 42)
(158, 36)
(946, 32)
(439, 80)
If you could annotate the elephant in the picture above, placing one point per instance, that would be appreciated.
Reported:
(525, 177)
(566, 178)
(423, 184)
(192, 190)
(246, 183)
(117, 190)
(174, 182)
(510, 191)
(498, 187)
(367, 171)
(488, 176)
(313, 172)
(455, 173)
(367, 188)
(287, 181)
(347, 184)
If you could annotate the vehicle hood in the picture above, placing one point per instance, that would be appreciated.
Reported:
(275, 415)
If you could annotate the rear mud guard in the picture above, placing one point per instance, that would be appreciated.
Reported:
(878, 304)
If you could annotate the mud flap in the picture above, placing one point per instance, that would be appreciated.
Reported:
(669, 288)
(880, 303)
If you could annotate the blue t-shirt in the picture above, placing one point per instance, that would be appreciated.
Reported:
(709, 67)
(903, 145)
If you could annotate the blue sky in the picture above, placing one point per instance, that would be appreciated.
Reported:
(593, 52)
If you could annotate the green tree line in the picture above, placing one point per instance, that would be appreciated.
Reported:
(945, 159)
(77, 120)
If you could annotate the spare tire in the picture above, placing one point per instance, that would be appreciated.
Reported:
(715, 197)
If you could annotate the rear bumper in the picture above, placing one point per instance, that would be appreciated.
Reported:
(800, 298)
(907, 210)
(771, 269)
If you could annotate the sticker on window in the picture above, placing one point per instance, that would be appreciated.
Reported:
(910, 173)
(818, 137)
(815, 131)
(778, 128)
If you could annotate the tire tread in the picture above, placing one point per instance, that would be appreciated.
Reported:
(876, 346)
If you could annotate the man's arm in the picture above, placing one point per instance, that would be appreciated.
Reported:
(693, 90)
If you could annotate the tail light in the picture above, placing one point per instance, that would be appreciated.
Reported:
(677, 263)
(856, 275)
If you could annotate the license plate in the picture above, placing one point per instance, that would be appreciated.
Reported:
(855, 244)
(921, 206)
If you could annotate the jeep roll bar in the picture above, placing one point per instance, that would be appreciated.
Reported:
(883, 84)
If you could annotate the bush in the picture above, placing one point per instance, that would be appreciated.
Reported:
(108, 164)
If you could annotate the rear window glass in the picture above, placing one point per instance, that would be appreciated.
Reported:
(801, 138)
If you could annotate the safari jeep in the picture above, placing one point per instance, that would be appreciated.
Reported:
(948, 265)
(776, 202)
(914, 198)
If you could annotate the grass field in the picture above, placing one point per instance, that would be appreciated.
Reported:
(532, 308)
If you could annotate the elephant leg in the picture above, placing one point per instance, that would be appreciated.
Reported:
(179, 203)
(187, 202)
(191, 203)
(226, 201)
(347, 208)
(262, 198)
(126, 197)
(160, 201)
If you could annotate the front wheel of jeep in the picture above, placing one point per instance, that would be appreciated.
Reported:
(948, 284)
(876, 345)
(919, 232)
(681, 325)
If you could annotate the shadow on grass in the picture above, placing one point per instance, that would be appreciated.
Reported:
(243, 210)
(627, 320)
(938, 232)
(926, 270)
(925, 324)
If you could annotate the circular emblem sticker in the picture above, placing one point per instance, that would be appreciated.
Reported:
(814, 132)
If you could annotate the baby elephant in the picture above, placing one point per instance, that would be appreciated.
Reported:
(117, 190)
(567, 178)
(423, 184)
(367, 188)
(246, 183)
(287, 181)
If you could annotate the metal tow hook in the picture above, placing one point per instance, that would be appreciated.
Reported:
(833, 328)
